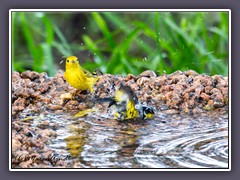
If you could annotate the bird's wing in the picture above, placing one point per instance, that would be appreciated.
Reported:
(86, 72)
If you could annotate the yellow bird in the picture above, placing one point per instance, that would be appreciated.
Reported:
(127, 105)
(78, 77)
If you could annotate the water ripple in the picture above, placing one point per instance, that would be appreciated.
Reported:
(204, 146)
(176, 142)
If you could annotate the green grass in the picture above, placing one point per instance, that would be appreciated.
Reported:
(122, 43)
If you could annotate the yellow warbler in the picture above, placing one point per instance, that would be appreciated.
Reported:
(78, 77)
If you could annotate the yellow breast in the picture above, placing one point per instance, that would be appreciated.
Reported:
(74, 75)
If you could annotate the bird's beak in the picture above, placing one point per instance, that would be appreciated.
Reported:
(73, 61)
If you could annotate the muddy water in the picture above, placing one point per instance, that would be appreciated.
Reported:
(168, 141)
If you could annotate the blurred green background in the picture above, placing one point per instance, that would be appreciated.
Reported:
(121, 42)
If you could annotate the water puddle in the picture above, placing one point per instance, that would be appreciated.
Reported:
(165, 142)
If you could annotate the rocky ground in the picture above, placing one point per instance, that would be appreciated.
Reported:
(33, 93)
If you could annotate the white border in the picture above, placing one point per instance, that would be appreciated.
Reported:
(118, 10)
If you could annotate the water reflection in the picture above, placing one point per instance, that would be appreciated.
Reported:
(79, 138)
(166, 142)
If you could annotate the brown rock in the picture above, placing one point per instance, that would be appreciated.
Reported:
(215, 91)
(207, 89)
(186, 97)
(218, 103)
(224, 90)
(210, 102)
(191, 73)
(205, 97)
(26, 164)
(171, 111)
(54, 107)
(175, 74)
(16, 144)
(148, 73)
(199, 89)
(21, 155)
(142, 80)
(34, 91)
(130, 76)
(15, 76)
(30, 75)
(206, 81)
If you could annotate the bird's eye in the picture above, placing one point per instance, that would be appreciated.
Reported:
(67, 60)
